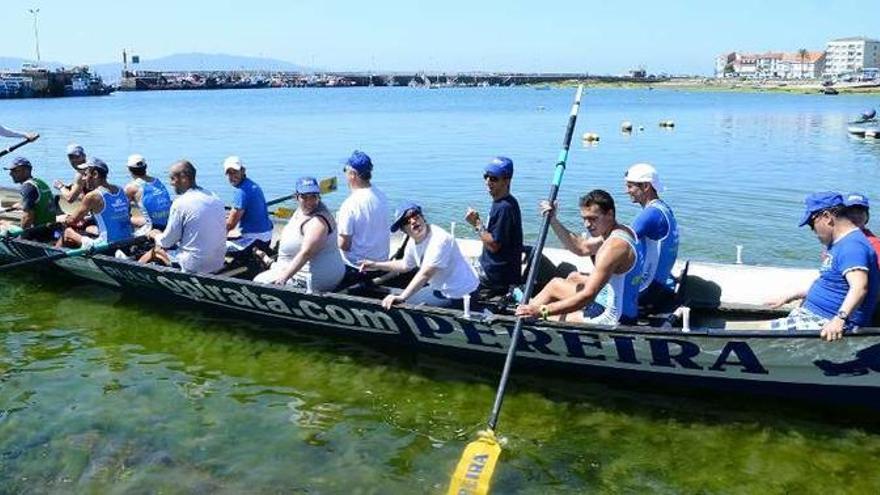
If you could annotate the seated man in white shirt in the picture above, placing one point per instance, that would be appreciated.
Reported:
(196, 225)
(444, 277)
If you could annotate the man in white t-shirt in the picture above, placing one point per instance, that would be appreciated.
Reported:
(444, 276)
(362, 219)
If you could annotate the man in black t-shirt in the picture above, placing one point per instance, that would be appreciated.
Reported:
(502, 238)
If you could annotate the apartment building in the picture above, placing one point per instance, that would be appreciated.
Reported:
(851, 55)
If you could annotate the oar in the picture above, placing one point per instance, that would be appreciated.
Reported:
(18, 145)
(71, 253)
(474, 471)
(16, 231)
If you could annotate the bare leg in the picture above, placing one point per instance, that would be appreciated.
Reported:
(70, 238)
(555, 290)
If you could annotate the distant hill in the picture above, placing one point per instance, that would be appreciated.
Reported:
(197, 61)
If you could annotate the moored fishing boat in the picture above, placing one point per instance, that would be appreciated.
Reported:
(721, 348)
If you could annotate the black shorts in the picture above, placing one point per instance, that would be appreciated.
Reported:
(656, 298)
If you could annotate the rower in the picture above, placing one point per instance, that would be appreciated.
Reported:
(107, 204)
(249, 211)
(76, 156)
(37, 202)
(845, 294)
(9, 133)
(196, 226)
(609, 294)
(858, 211)
(149, 195)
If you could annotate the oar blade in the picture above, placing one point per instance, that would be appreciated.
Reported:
(476, 466)
(283, 212)
(328, 185)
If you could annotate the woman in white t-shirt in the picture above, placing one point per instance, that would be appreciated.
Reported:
(307, 251)
(444, 276)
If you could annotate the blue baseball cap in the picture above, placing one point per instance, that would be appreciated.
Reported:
(307, 185)
(360, 161)
(95, 163)
(856, 199)
(402, 211)
(819, 201)
(19, 161)
(500, 166)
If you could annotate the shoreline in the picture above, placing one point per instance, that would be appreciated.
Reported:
(734, 86)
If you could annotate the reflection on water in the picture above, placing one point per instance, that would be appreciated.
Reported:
(102, 392)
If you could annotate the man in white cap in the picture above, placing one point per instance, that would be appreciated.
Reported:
(249, 211)
(149, 195)
(657, 228)
(71, 192)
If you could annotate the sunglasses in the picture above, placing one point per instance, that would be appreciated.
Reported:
(811, 222)
(490, 178)
(307, 195)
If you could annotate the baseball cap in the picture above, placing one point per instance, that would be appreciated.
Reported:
(401, 213)
(819, 201)
(500, 166)
(94, 163)
(137, 161)
(307, 185)
(644, 172)
(74, 149)
(360, 161)
(232, 163)
(856, 199)
(19, 161)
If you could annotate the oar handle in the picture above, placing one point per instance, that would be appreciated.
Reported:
(536, 258)
(18, 145)
(16, 231)
(71, 253)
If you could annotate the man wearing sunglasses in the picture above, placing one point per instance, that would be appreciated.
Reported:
(845, 294)
(502, 237)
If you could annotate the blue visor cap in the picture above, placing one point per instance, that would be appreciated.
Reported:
(19, 161)
(500, 166)
(401, 213)
(307, 185)
(856, 199)
(360, 161)
(819, 201)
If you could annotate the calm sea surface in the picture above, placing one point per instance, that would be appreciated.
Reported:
(102, 393)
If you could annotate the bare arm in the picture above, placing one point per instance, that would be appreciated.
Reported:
(418, 281)
(314, 232)
(398, 266)
(344, 242)
(571, 241)
(88, 204)
(473, 217)
(27, 219)
(858, 289)
(607, 264)
(233, 218)
(782, 301)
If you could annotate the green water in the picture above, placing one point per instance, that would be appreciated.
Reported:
(104, 393)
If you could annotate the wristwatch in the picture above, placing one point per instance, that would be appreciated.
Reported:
(479, 228)
(843, 315)
(545, 311)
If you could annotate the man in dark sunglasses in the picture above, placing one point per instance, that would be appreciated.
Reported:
(502, 238)
(845, 294)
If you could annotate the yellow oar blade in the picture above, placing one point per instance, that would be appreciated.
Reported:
(476, 466)
(327, 185)
(283, 212)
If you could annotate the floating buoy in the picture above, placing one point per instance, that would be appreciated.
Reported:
(667, 123)
(626, 126)
(590, 137)
(641, 128)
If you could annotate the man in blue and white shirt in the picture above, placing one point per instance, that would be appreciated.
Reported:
(845, 294)
(249, 211)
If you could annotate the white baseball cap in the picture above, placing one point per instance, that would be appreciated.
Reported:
(644, 172)
(137, 161)
(232, 163)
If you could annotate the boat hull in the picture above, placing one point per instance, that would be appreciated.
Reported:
(783, 364)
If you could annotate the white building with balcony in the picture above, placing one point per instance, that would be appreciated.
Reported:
(851, 56)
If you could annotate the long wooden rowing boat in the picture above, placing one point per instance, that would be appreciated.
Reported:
(720, 350)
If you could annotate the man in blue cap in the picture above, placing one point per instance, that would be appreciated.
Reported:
(857, 209)
(37, 203)
(501, 235)
(845, 294)
(444, 276)
(108, 205)
(362, 218)
(76, 156)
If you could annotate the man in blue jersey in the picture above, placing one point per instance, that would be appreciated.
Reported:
(657, 229)
(149, 195)
(249, 211)
(107, 204)
(845, 294)
(502, 238)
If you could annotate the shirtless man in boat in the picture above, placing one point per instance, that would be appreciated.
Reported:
(608, 295)
(845, 294)
(107, 204)
(76, 156)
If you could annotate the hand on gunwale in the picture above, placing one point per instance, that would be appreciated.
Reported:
(281, 280)
(528, 311)
(777, 303)
(391, 300)
(833, 330)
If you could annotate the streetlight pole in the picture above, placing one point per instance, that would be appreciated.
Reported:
(34, 12)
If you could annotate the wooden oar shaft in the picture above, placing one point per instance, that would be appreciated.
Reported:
(16, 146)
(536, 258)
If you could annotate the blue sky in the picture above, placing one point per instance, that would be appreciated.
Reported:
(563, 35)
